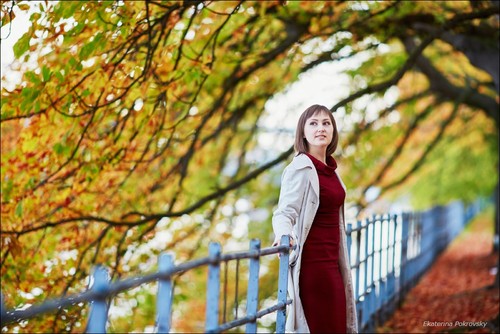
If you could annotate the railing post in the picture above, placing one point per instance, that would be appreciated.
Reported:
(349, 251)
(392, 228)
(404, 252)
(2, 306)
(395, 236)
(282, 286)
(365, 306)
(381, 283)
(253, 286)
(349, 241)
(99, 308)
(371, 297)
(357, 261)
(213, 287)
(165, 291)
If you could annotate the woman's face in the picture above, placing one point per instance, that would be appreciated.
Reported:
(318, 131)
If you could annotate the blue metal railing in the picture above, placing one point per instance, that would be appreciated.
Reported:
(388, 253)
(102, 290)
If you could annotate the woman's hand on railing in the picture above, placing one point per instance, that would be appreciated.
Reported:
(277, 242)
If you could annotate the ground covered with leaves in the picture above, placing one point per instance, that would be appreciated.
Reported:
(457, 292)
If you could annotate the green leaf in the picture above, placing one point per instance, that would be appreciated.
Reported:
(31, 183)
(19, 208)
(6, 190)
(91, 47)
(32, 77)
(3, 101)
(61, 148)
(65, 9)
(72, 62)
(37, 106)
(78, 29)
(75, 63)
(69, 10)
(8, 18)
(46, 73)
(59, 76)
(29, 94)
(6, 114)
(86, 50)
(35, 16)
(58, 148)
(22, 45)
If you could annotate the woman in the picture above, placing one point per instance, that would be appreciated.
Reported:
(311, 211)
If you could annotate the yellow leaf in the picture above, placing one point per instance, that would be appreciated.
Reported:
(23, 6)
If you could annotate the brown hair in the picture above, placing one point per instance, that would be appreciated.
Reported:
(301, 145)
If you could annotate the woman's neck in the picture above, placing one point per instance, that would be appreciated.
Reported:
(318, 154)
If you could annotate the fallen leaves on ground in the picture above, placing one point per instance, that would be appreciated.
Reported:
(458, 289)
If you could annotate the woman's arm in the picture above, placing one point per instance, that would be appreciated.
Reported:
(293, 185)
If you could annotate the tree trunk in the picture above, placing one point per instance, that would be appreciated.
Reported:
(486, 57)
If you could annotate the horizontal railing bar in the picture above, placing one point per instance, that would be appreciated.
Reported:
(231, 324)
(369, 289)
(252, 254)
(269, 250)
(361, 226)
(390, 246)
(273, 308)
(238, 256)
(10, 316)
(358, 263)
(250, 318)
(115, 288)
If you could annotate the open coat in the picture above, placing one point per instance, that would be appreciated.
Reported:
(298, 203)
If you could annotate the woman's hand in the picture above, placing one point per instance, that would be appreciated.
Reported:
(278, 242)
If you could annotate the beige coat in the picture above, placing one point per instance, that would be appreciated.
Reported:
(298, 203)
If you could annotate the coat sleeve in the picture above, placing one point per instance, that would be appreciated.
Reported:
(293, 186)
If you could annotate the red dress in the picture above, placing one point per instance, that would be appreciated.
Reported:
(322, 289)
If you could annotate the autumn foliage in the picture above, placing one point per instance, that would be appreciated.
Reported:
(139, 127)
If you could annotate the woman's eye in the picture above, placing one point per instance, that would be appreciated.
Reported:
(326, 123)
(312, 123)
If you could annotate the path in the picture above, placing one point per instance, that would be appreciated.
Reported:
(456, 294)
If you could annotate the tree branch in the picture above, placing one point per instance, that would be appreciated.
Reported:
(441, 85)
(148, 218)
(420, 161)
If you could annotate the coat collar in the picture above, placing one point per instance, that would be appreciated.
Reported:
(301, 161)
